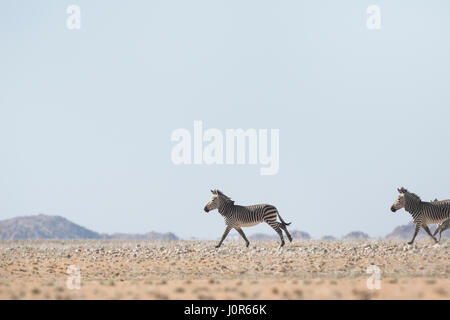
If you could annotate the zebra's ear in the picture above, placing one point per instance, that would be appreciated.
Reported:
(402, 190)
(214, 191)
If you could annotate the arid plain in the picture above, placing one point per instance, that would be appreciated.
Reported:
(193, 269)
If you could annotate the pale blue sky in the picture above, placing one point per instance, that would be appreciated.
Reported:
(86, 116)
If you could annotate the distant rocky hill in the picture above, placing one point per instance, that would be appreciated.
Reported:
(143, 236)
(407, 231)
(356, 235)
(296, 234)
(43, 227)
(262, 236)
(55, 227)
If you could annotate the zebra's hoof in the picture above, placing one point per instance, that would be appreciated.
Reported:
(217, 246)
(247, 244)
(410, 243)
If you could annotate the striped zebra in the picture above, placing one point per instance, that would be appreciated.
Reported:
(441, 228)
(423, 212)
(239, 216)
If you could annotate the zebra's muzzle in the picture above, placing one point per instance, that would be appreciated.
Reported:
(393, 209)
(206, 209)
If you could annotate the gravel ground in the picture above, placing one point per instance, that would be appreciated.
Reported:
(116, 269)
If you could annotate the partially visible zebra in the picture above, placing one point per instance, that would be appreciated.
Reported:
(423, 212)
(239, 216)
(441, 228)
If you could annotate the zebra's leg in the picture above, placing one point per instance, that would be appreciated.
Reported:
(440, 234)
(225, 233)
(436, 231)
(425, 227)
(276, 226)
(241, 232)
(415, 233)
(283, 226)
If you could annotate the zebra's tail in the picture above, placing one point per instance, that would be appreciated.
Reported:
(282, 221)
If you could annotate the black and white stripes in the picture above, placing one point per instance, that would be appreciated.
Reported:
(237, 217)
(423, 212)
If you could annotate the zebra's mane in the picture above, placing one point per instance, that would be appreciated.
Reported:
(222, 195)
(413, 196)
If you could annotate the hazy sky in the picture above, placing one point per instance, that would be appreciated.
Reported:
(86, 115)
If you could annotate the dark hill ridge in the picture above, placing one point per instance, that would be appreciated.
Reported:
(55, 227)
(406, 232)
(43, 227)
(143, 236)
(356, 235)
(296, 234)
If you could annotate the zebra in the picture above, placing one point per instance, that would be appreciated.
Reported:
(423, 212)
(245, 216)
(441, 228)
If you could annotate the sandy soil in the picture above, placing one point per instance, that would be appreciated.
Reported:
(196, 270)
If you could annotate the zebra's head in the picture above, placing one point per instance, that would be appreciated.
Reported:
(400, 202)
(217, 198)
